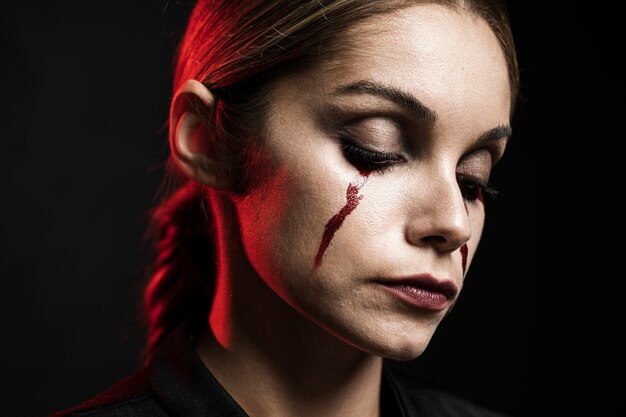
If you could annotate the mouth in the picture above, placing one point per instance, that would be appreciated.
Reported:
(423, 291)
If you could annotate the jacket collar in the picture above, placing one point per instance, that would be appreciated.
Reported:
(183, 385)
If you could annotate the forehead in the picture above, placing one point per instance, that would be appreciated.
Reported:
(448, 58)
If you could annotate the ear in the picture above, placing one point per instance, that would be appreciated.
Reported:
(192, 136)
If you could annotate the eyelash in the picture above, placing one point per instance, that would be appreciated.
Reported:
(367, 159)
(375, 161)
(472, 189)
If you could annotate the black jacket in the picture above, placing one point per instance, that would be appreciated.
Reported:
(176, 383)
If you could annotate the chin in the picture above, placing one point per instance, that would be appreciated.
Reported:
(406, 352)
(397, 348)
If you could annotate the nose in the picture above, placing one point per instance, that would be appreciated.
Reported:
(439, 217)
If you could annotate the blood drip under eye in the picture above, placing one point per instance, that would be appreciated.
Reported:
(464, 251)
(480, 197)
(352, 201)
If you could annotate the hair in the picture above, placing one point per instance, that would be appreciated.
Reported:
(237, 48)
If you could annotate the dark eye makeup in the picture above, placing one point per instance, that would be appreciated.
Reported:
(367, 159)
(474, 189)
(471, 188)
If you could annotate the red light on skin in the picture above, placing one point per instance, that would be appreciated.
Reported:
(352, 201)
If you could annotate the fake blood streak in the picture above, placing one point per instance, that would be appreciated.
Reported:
(352, 201)
(464, 249)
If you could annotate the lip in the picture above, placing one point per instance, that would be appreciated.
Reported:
(423, 291)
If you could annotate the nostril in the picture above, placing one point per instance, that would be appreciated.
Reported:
(444, 243)
(435, 239)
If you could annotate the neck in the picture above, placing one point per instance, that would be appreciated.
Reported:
(270, 358)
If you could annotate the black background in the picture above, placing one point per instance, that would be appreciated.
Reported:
(85, 90)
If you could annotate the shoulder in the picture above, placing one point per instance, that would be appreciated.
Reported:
(129, 397)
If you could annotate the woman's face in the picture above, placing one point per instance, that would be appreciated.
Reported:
(372, 194)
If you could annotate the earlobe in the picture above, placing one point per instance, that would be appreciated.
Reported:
(192, 136)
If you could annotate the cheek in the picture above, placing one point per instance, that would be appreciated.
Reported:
(259, 214)
(282, 221)
(352, 201)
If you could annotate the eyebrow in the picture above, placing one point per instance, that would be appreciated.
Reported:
(491, 135)
(411, 103)
(401, 98)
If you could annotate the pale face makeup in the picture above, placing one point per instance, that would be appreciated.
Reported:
(413, 118)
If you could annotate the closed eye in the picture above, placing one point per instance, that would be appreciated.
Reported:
(367, 159)
(473, 189)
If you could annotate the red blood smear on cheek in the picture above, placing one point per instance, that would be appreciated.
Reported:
(352, 201)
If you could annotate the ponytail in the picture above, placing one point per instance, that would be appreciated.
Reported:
(182, 282)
